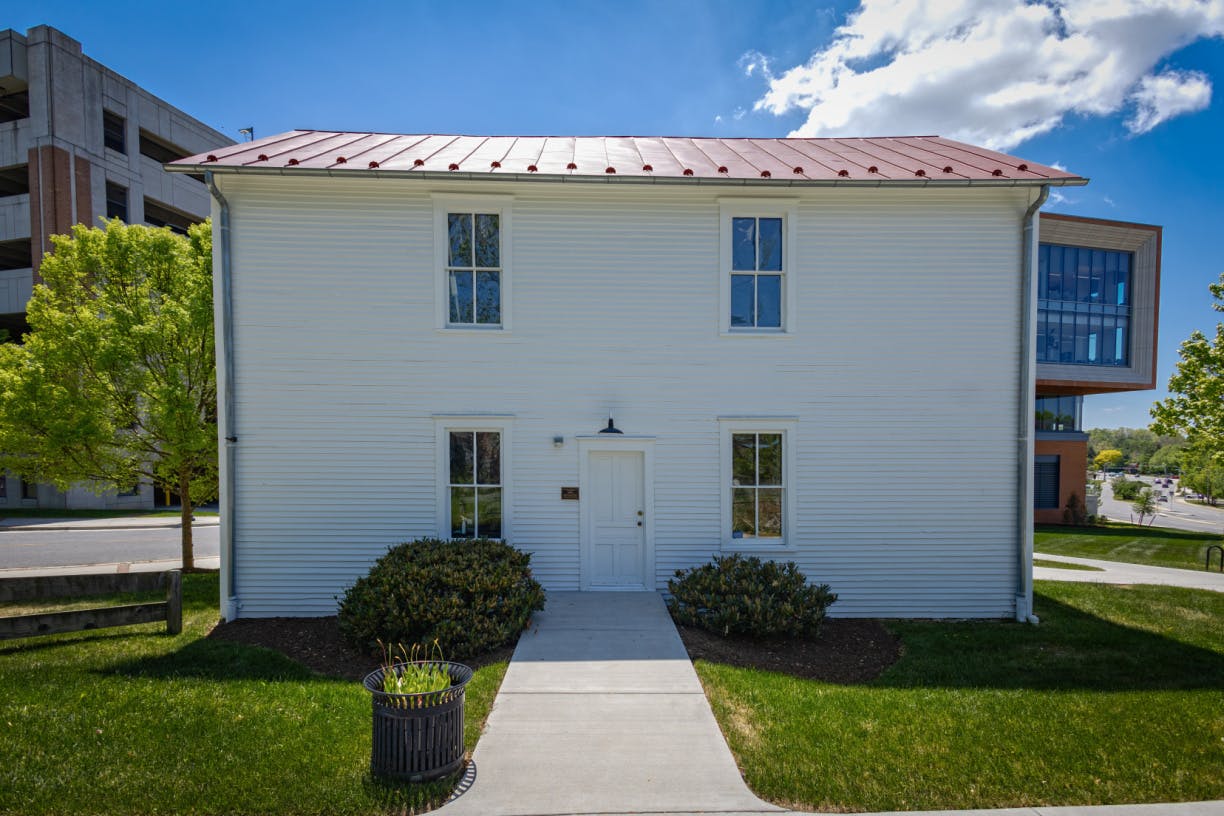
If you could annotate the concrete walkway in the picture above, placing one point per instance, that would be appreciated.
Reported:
(1117, 572)
(601, 712)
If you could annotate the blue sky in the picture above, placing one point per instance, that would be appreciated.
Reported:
(1124, 92)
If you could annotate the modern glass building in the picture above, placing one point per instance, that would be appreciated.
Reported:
(1098, 286)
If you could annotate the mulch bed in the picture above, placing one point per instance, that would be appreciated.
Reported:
(847, 651)
(317, 645)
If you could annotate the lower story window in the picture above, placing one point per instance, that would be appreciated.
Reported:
(29, 490)
(1045, 482)
(475, 484)
(757, 485)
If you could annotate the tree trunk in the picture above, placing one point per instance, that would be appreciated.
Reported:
(185, 499)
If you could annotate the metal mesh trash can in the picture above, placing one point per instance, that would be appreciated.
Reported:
(418, 737)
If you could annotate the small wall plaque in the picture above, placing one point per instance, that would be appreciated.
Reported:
(569, 493)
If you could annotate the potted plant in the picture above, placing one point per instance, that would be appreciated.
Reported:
(418, 716)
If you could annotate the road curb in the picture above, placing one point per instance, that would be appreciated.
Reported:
(62, 527)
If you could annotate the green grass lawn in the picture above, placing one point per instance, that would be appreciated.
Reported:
(133, 721)
(1156, 546)
(1042, 562)
(1117, 696)
(37, 512)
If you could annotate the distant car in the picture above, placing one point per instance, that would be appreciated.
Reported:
(1162, 497)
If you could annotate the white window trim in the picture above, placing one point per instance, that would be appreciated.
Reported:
(502, 206)
(443, 425)
(747, 424)
(787, 210)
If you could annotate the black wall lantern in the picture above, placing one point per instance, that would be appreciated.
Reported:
(611, 429)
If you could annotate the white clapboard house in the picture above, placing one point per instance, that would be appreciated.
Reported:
(627, 355)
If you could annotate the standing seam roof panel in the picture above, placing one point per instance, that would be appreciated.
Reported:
(896, 158)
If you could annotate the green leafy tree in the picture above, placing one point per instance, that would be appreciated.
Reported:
(1203, 476)
(1144, 504)
(1168, 458)
(1195, 408)
(116, 378)
(1107, 459)
(1138, 445)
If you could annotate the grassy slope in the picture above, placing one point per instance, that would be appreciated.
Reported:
(1157, 546)
(126, 721)
(1118, 696)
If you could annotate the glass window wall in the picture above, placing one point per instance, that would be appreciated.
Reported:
(1084, 306)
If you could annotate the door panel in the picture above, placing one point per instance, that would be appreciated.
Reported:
(618, 540)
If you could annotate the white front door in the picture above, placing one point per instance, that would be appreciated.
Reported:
(617, 541)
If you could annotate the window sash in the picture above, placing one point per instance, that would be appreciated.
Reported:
(475, 498)
(765, 276)
(748, 495)
(474, 291)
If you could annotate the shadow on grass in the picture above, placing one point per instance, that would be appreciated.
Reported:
(1070, 650)
(41, 643)
(218, 660)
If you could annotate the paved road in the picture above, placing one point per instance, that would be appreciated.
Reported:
(27, 548)
(1175, 513)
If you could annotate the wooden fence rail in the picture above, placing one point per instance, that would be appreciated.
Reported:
(75, 586)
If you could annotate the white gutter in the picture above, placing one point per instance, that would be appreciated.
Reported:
(1028, 380)
(225, 394)
(613, 178)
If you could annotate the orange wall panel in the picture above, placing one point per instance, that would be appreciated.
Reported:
(1072, 474)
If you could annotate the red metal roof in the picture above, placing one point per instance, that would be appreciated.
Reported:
(893, 159)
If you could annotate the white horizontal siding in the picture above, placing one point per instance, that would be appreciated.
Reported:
(901, 371)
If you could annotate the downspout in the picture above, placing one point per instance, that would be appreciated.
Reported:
(1028, 379)
(229, 593)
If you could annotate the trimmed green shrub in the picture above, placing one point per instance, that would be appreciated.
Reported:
(1125, 489)
(470, 596)
(738, 595)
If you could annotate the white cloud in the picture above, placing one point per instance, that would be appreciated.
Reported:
(755, 62)
(994, 72)
(1167, 95)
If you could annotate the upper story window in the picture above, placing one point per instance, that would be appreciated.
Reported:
(756, 273)
(14, 106)
(159, 215)
(1084, 306)
(114, 131)
(474, 269)
(158, 149)
(1058, 413)
(756, 293)
(14, 180)
(472, 253)
(116, 201)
